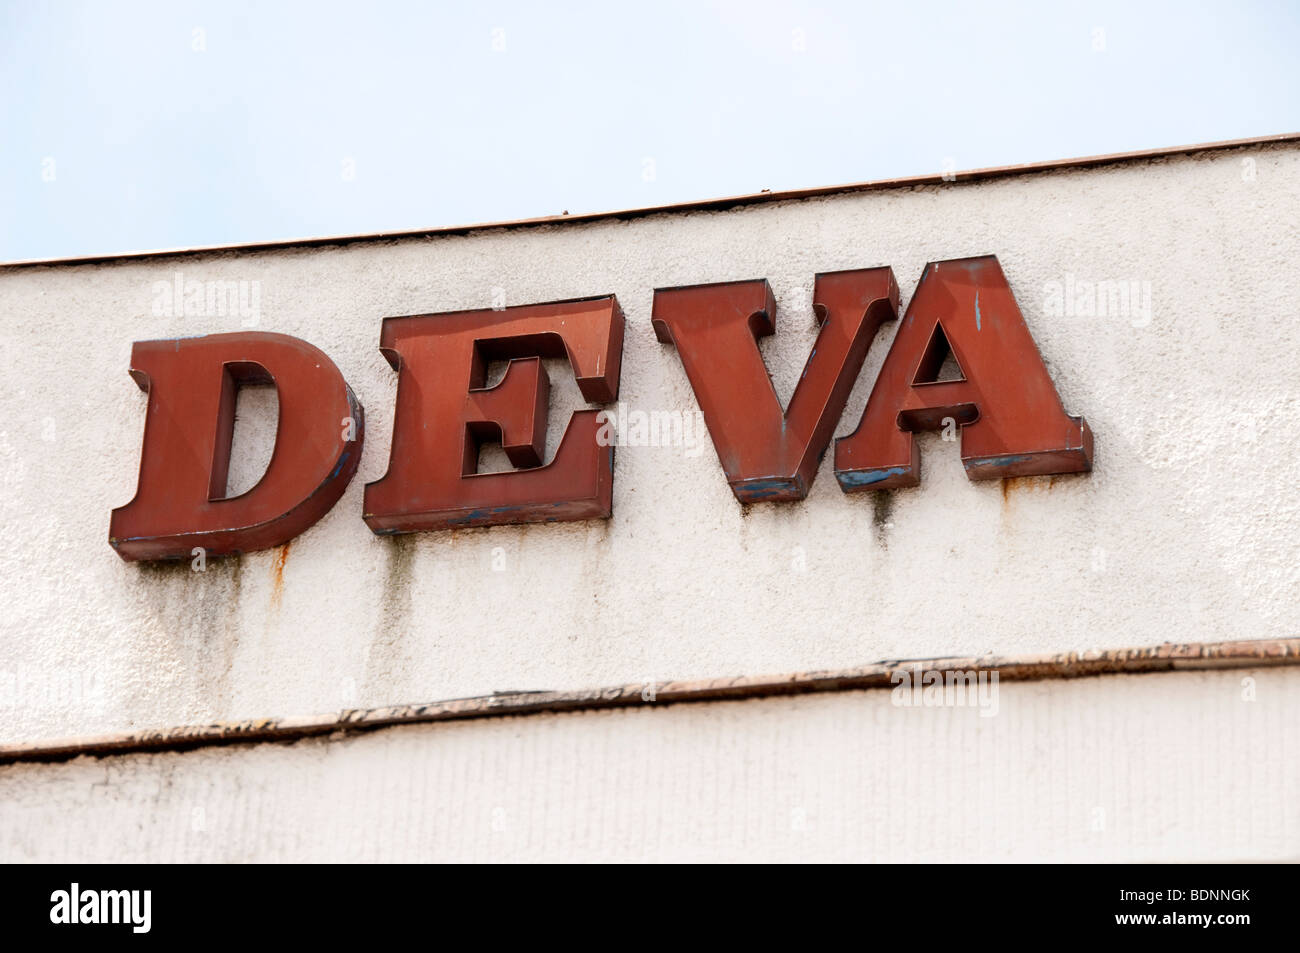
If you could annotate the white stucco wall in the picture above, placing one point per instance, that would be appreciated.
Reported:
(1168, 767)
(1186, 529)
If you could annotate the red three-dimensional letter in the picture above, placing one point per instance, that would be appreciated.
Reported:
(444, 412)
(767, 454)
(1012, 422)
(180, 501)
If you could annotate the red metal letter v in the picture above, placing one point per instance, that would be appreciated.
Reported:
(768, 454)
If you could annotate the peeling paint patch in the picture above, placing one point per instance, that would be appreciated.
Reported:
(482, 515)
(868, 477)
(996, 461)
(768, 488)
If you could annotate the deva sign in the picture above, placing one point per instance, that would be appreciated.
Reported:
(1010, 417)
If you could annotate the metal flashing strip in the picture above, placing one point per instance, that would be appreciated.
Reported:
(705, 205)
(1161, 658)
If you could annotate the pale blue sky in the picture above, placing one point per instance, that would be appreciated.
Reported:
(118, 134)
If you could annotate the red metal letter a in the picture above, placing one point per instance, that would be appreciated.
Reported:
(180, 501)
(1012, 421)
(444, 412)
(767, 454)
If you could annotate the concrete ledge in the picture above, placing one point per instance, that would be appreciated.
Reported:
(1159, 658)
(1172, 766)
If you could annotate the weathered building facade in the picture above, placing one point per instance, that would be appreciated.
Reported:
(693, 677)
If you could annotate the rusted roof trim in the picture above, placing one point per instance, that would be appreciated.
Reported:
(1160, 658)
(713, 205)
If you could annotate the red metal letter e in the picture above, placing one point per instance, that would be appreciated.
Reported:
(446, 411)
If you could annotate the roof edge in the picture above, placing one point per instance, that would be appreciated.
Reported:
(715, 204)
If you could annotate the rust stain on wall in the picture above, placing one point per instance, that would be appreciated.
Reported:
(1026, 484)
(277, 574)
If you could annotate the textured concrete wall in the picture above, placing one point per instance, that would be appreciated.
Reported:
(1186, 529)
(1174, 767)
